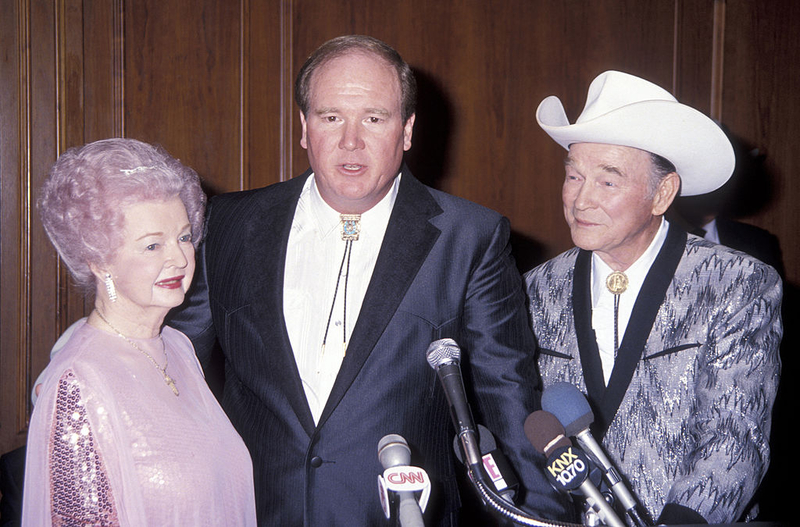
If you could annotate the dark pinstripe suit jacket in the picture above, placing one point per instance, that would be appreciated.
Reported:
(444, 270)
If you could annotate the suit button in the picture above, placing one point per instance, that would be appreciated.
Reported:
(316, 462)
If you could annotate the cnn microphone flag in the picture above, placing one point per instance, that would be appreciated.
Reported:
(404, 478)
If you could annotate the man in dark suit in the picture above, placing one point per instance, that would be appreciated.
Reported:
(325, 291)
(701, 215)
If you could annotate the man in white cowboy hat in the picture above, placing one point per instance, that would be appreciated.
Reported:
(673, 339)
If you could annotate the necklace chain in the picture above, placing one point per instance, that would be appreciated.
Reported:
(167, 379)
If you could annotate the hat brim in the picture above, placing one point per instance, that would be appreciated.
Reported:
(696, 145)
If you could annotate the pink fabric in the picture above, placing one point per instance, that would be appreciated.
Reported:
(110, 444)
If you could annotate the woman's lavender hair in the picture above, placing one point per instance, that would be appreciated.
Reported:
(82, 199)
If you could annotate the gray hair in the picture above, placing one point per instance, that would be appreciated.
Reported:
(80, 202)
(661, 167)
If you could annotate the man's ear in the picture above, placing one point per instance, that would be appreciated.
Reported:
(408, 131)
(667, 190)
(304, 131)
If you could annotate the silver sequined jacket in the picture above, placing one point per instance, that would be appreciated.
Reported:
(687, 412)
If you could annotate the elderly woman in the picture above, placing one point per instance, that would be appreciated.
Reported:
(125, 430)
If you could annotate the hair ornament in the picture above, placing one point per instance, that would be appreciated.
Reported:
(135, 170)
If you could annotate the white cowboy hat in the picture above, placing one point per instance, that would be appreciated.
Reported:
(628, 111)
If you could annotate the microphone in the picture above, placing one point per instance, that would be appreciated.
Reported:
(444, 356)
(567, 466)
(395, 456)
(572, 410)
(495, 463)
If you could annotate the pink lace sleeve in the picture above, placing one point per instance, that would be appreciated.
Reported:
(80, 490)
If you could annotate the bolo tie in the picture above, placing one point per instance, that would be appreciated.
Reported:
(616, 283)
(351, 227)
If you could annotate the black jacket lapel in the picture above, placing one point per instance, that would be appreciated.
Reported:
(267, 254)
(587, 341)
(408, 240)
(645, 310)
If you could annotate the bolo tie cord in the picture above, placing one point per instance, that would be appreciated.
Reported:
(617, 283)
(616, 325)
(348, 249)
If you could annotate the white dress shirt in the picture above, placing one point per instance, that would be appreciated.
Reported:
(603, 299)
(313, 258)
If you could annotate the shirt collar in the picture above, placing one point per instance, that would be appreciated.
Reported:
(328, 220)
(712, 233)
(636, 273)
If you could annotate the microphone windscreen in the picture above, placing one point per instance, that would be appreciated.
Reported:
(393, 451)
(443, 351)
(569, 405)
(545, 432)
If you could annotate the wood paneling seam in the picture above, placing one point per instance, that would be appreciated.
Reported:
(24, 293)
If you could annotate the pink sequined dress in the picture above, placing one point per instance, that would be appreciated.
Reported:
(109, 443)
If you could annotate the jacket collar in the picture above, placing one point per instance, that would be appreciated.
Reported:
(408, 239)
(605, 400)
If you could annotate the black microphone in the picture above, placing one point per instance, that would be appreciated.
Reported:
(393, 451)
(495, 463)
(571, 408)
(567, 466)
(444, 356)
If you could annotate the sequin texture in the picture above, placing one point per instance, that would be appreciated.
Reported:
(693, 425)
(81, 494)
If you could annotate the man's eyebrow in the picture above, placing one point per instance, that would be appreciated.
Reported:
(569, 162)
(379, 111)
(611, 169)
(325, 109)
(332, 109)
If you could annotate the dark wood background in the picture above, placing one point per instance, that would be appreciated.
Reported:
(211, 81)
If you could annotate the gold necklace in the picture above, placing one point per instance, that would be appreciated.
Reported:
(167, 379)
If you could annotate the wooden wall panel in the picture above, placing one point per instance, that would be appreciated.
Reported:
(694, 30)
(267, 107)
(183, 83)
(103, 89)
(29, 280)
(205, 81)
(761, 105)
(14, 27)
(73, 72)
(39, 297)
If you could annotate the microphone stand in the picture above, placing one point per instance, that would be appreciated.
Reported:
(501, 507)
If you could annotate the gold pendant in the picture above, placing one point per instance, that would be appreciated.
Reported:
(171, 383)
(617, 282)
